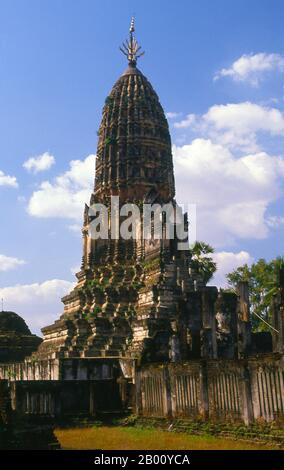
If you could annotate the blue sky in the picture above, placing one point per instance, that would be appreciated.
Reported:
(218, 67)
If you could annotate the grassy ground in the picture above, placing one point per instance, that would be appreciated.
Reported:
(133, 438)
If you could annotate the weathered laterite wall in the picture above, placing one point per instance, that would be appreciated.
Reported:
(237, 391)
(59, 369)
(240, 391)
(57, 389)
(60, 400)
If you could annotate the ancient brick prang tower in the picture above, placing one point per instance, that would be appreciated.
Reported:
(130, 292)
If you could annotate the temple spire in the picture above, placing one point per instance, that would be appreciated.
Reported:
(130, 48)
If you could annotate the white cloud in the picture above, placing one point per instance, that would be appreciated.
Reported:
(8, 263)
(6, 180)
(275, 221)
(65, 196)
(251, 68)
(40, 163)
(232, 193)
(170, 115)
(245, 118)
(185, 123)
(236, 125)
(226, 263)
(227, 172)
(39, 304)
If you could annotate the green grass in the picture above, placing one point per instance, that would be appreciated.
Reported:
(135, 438)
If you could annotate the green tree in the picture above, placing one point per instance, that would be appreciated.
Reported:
(262, 278)
(203, 264)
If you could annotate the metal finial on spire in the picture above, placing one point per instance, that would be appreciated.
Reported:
(132, 25)
(130, 48)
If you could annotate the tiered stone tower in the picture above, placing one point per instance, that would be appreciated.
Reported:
(130, 293)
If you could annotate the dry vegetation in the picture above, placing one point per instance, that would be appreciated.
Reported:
(133, 438)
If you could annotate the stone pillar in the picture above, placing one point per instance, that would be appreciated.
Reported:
(92, 391)
(244, 323)
(138, 393)
(5, 404)
(193, 322)
(208, 332)
(243, 292)
(280, 341)
(123, 385)
(204, 398)
(168, 393)
(277, 307)
(245, 386)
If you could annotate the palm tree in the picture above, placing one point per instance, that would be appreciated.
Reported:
(203, 264)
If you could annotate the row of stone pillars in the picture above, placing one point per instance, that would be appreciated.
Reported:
(164, 400)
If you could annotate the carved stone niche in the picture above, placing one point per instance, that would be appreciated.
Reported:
(226, 325)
